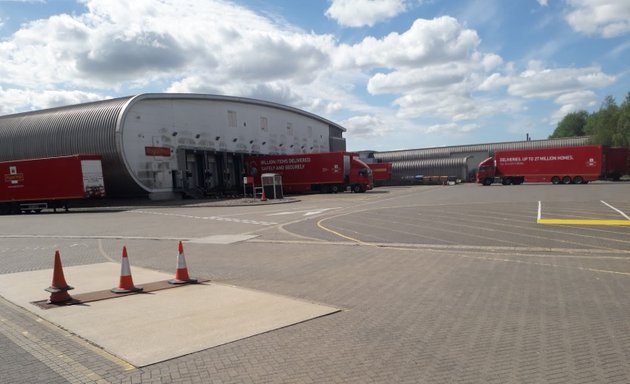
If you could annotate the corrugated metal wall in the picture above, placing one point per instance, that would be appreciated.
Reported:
(78, 129)
(456, 166)
(438, 152)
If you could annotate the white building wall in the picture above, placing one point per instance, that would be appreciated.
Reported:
(152, 127)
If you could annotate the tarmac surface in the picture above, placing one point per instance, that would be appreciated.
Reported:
(435, 284)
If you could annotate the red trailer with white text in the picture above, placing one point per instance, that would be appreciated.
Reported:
(319, 172)
(36, 184)
(566, 165)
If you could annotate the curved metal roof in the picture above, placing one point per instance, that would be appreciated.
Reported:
(234, 99)
(88, 128)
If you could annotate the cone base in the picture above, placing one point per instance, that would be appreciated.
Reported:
(178, 282)
(59, 298)
(125, 290)
(58, 289)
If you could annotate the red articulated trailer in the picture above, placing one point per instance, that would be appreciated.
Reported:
(566, 165)
(314, 172)
(36, 184)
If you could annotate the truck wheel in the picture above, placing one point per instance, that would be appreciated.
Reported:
(566, 180)
(357, 189)
(578, 180)
(487, 181)
(555, 180)
(334, 189)
(506, 181)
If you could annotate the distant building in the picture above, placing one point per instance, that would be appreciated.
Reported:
(163, 144)
(458, 161)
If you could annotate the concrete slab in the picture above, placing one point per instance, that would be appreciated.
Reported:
(148, 328)
(222, 239)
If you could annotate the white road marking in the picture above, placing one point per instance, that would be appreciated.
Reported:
(307, 212)
(222, 239)
(619, 211)
(217, 218)
(539, 208)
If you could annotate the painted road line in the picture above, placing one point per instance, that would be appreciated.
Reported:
(215, 218)
(306, 212)
(583, 222)
(615, 209)
(539, 220)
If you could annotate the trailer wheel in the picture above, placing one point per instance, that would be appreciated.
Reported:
(555, 180)
(578, 180)
(334, 189)
(566, 180)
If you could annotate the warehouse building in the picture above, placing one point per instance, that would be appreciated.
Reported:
(162, 144)
(459, 161)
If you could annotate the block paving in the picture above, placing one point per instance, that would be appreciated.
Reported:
(409, 316)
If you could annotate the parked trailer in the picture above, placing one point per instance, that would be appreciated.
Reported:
(381, 173)
(567, 165)
(320, 172)
(36, 184)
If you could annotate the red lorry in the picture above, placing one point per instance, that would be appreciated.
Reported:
(566, 165)
(36, 184)
(321, 172)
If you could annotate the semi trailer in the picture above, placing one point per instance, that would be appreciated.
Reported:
(313, 172)
(55, 182)
(566, 165)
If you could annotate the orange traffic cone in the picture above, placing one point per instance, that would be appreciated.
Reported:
(126, 282)
(263, 197)
(181, 275)
(59, 288)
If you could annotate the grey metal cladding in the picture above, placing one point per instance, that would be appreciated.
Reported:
(438, 152)
(456, 166)
(88, 128)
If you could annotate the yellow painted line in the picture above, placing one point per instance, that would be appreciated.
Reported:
(583, 222)
(319, 224)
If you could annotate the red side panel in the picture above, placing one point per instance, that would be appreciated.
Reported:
(381, 171)
(616, 161)
(299, 171)
(42, 179)
(541, 164)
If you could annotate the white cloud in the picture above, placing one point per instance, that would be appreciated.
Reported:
(432, 41)
(607, 18)
(109, 48)
(543, 3)
(433, 70)
(539, 82)
(366, 126)
(14, 100)
(451, 128)
(361, 13)
(572, 102)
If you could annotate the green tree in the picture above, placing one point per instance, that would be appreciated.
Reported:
(571, 125)
(601, 125)
(621, 136)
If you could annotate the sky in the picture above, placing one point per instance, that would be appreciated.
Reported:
(397, 74)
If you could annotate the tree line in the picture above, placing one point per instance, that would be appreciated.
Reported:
(610, 125)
